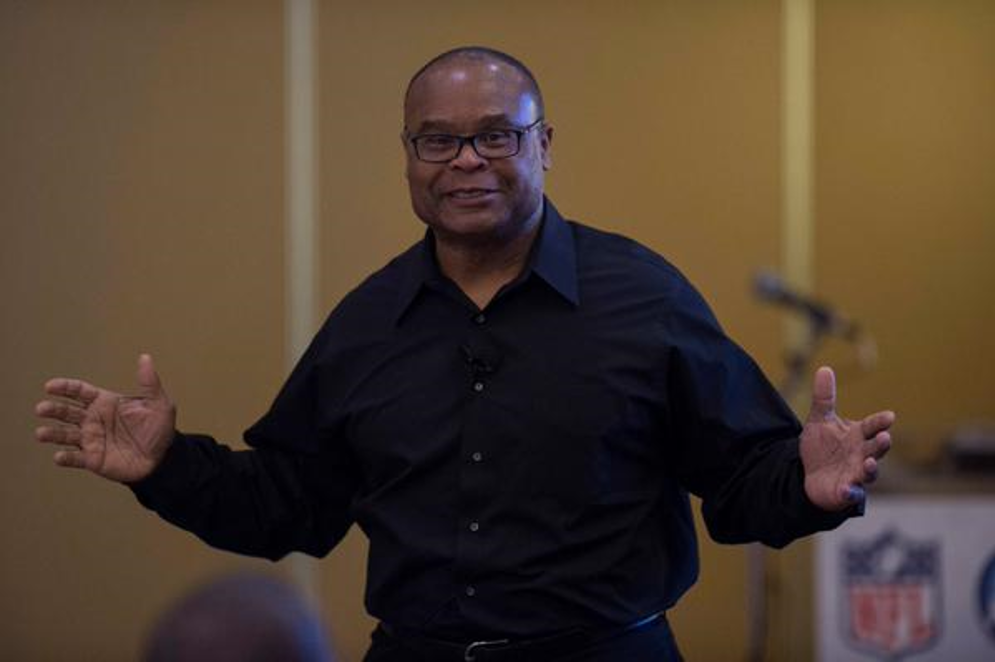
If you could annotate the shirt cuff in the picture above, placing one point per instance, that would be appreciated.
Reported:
(172, 478)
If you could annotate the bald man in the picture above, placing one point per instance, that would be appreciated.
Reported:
(239, 618)
(514, 411)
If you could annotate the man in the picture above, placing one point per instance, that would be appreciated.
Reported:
(513, 411)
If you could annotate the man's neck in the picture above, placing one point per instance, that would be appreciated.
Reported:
(482, 267)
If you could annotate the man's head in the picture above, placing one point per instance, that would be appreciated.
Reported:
(472, 197)
(239, 618)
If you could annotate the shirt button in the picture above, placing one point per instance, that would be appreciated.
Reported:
(480, 318)
(478, 386)
(474, 526)
(470, 591)
(477, 457)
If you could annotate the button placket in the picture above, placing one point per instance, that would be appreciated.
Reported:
(479, 353)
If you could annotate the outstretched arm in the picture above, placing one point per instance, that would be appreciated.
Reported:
(122, 438)
(264, 502)
(840, 456)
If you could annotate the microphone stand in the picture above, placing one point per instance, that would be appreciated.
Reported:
(798, 361)
(799, 358)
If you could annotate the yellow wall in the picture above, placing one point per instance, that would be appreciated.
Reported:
(904, 233)
(906, 202)
(141, 201)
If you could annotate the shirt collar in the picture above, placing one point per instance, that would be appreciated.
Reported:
(553, 258)
(418, 267)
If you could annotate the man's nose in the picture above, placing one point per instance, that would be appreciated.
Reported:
(467, 158)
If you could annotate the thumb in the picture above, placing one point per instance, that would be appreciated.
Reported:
(823, 394)
(149, 385)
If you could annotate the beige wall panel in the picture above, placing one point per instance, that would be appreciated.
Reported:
(666, 117)
(141, 205)
(906, 206)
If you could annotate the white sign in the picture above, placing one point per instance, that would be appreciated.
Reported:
(912, 580)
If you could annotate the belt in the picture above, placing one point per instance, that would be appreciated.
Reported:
(539, 649)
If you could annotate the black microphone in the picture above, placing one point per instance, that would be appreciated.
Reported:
(768, 286)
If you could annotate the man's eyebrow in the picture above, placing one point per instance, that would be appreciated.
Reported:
(446, 126)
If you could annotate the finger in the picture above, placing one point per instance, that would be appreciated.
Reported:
(879, 446)
(877, 422)
(853, 494)
(72, 459)
(61, 411)
(149, 385)
(59, 435)
(870, 470)
(823, 394)
(73, 389)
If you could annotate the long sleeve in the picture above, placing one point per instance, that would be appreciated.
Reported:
(292, 492)
(262, 502)
(738, 440)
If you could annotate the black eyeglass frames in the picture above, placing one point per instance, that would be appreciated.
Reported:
(489, 144)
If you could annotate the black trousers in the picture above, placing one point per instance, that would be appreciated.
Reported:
(652, 643)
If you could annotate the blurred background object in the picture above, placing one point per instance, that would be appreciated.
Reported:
(971, 447)
(239, 618)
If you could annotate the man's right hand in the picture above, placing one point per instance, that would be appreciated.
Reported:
(119, 437)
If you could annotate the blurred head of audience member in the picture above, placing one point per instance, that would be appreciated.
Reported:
(243, 618)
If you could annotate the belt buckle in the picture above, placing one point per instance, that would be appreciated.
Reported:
(470, 653)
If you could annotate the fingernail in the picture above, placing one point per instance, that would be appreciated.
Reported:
(855, 494)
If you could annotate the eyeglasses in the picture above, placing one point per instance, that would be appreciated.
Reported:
(490, 144)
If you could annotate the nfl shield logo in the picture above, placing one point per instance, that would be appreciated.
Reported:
(891, 597)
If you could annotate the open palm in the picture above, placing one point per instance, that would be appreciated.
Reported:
(119, 437)
(840, 456)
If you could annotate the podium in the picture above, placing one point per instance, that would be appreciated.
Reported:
(914, 579)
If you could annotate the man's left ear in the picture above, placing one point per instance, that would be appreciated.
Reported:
(547, 147)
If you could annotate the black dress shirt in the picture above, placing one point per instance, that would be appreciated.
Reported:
(520, 469)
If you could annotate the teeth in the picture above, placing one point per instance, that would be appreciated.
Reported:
(475, 193)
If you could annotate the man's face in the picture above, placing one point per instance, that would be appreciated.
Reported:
(471, 197)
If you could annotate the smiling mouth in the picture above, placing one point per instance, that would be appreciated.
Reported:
(470, 193)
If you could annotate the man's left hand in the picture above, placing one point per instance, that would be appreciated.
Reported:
(840, 456)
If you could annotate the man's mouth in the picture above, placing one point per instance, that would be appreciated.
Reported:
(470, 193)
